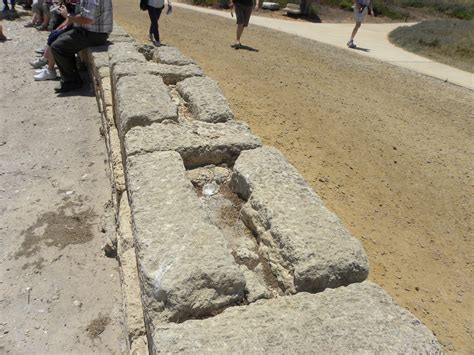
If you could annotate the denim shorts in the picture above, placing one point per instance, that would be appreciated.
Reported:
(55, 34)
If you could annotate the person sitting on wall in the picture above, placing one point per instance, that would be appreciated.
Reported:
(92, 25)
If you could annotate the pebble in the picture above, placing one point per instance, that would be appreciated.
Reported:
(70, 192)
(77, 303)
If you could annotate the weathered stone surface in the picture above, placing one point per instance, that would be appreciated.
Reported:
(198, 143)
(254, 289)
(205, 99)
(119, 35)
(131, 69)
(142, 100)
(358, 319)
(185, 268)
(305, 244)
(124, 52)
(99, 55)
(170, 55)
(171, 74)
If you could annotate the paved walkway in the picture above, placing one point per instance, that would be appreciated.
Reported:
(372, 38)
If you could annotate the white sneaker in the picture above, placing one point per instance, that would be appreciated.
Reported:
(351, 44)
(150, 37)
(37, 71)
(46, 75)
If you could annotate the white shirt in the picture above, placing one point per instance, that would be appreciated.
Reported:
(156, 3)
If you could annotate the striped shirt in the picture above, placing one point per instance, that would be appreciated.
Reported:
(100, 11)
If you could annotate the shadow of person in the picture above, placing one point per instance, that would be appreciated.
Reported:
(247, 48)
(361, 49)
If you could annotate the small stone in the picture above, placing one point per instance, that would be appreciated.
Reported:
(77, 303)
(83, 177)
(70, 192)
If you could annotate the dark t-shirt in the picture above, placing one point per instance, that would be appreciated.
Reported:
(244, 2)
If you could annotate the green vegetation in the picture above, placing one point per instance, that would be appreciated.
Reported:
(447, 41)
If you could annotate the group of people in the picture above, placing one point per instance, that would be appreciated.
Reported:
(73, 25)
(78, 24)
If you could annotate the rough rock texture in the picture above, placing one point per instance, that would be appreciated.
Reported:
(142, 100)
(358, 319)
(205, 99)
(124, 52)
(305, 244)
(131, 68)
(173, 74)
(198, 143)
(99, 56)
(170, 55)
(185, 268)
(119, 35)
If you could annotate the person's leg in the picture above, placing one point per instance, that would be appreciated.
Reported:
(240, 30)
(12, 3)
(64, 49)
(153, 14)
(5, 5)
(354, 31)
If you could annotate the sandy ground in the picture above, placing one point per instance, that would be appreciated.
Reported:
(389, 150)
(58, 292)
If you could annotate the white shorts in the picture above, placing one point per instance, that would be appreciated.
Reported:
(360, 16)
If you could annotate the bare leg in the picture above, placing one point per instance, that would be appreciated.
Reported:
(49, 56)
(240, 30)
(2, 36)
(354, 32)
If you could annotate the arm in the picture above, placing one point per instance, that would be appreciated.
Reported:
(371, 9)
(85, 17)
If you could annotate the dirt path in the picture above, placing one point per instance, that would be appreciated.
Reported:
(390, 151)
(58, 292)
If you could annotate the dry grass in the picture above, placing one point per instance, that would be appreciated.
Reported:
(447, 41)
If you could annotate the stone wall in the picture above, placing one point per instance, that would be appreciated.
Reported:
(223, 246)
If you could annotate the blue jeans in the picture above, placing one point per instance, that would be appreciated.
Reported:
(12, 4)
(154, 14)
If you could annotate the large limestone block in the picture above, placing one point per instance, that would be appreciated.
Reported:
(198, 143)
(171, 74)
(205, 99)
(185, 268)
(170, 55)
(305, 244)
(358, 319)
(123, 69)
(142, 100)
(122, 52)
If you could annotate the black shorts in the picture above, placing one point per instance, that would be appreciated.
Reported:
(243, 12)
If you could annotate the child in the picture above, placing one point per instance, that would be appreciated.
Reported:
(361, 7)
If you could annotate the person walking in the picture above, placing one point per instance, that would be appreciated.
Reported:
(92, 24)
(155, 7)
(361, 7)
(243, 10)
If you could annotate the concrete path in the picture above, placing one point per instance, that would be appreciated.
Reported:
(372, 40)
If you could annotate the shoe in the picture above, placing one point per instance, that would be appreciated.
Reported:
(351, 44)
(156, 43)
(40, 50)
(236, 45)
(30, 24)
(150, 37)
(66, 87)
(37, 71)
(42, 27)
(3, 38)
(46, 75)
(38, 63)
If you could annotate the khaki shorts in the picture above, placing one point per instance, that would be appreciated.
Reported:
(243, 13)
(360, 16)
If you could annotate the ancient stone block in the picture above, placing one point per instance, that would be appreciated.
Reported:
(185, 268)
(305, 244)
(205, 99)
(124, 52)
(198, 143)
(170, 55)
(358, 319)
(142, 100)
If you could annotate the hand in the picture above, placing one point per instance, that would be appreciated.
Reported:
(257, 8)
(63, 11)
(231, 5)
